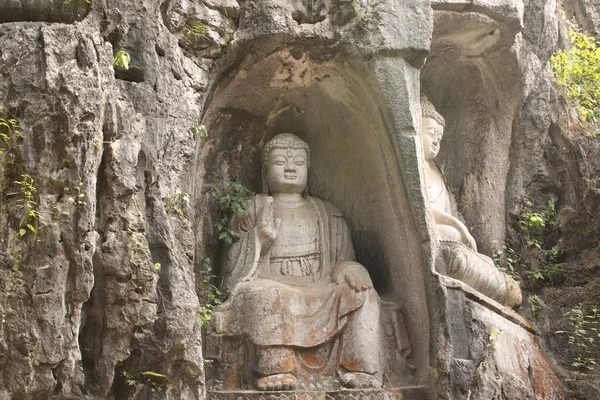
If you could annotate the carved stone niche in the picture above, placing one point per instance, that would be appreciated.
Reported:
(483, 347)
(337, 108)
(43, 10)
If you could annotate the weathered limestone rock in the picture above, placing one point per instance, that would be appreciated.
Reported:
(110, 285)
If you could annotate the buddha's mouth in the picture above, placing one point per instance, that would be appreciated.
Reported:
(290, 176)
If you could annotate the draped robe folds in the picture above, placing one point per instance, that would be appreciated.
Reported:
(270, 309)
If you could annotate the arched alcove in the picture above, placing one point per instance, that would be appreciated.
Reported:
(470, 76)
(337, 108)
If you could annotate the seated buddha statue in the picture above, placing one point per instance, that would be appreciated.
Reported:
(299, 299)
(458, 256)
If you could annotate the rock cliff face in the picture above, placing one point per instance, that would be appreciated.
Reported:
(99, 296)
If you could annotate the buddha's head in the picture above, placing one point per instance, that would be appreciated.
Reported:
(432, 129)
(285, 162)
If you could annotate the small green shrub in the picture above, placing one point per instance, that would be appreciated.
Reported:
(29, 219)
(536, 304)
(176, 203)
(493, 339)
(78, 198)
(550, 270)
(199, 131)
(577, 72)
(152, 380)
(533, 224)
(211, 294)
(10, 138)
(361, 15)
(232, 199)
(30, 215)
(122, 60)
(592, 185)
(195, 30)
(584, 337)
(507, 260)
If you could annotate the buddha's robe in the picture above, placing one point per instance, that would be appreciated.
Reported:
(461, 262)
(294, 293)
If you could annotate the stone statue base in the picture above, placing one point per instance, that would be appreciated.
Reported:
(407, 393)
(230, 369)
(485, 348)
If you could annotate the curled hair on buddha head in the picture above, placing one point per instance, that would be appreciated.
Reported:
(285, 141)
(429, 111)
(282, 141)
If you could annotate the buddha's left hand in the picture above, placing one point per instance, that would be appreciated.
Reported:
(358, 280)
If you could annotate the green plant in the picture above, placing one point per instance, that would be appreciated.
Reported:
(199, 131)
(10, 138)
(548, 271)
(584, 336)
(359, 14)
(29, 222)
(592, 185)
(493, 339)
(507, 260)
(536, 304)
(78, 197)
(195, 30)
(211, 294)
(152, 380)
(176, 203)
(122, 60)
(577, 72)
(29, 217)
(534, 223)
(233, 199)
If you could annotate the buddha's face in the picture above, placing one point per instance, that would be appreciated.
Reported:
(287, 171)
(431, 133)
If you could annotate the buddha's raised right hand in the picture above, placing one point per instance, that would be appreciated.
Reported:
(267, 226)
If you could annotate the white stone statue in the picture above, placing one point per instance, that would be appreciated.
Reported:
(458, 251)
(299, 298)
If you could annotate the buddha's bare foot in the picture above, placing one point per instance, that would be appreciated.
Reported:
(514, 297)
(277, 382)
(360, 380)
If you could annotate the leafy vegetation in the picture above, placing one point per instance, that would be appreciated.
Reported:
(536, 304)
(150, 379)
(176, 203)
(584, 336)
(31, 216)
(548, 271)
(493, 339)
(195, 30)
(122, 60)
(232, 199)
(507, 260)
(78, 198)
(211, 294)
(592, 185)
(10, 138)
(199, 131)
(534, 223)
(577, 72)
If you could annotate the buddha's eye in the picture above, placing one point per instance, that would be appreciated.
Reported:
(299, 163)
(279, 162)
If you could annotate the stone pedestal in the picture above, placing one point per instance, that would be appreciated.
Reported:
(405, 393)
(486, 348)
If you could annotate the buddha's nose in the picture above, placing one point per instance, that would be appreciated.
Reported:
(290, 166)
